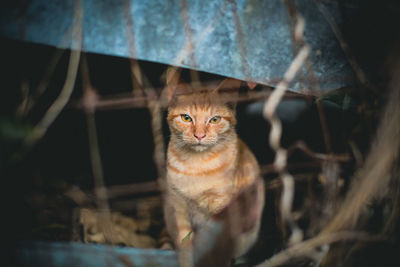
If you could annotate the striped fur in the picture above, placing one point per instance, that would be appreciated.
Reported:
(204, 176)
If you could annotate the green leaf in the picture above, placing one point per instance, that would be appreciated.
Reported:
(187, 237)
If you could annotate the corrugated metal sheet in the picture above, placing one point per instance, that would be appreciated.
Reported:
(78, 254)
(246, 39)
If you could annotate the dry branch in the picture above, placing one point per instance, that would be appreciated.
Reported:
(343, 43)
(130, 101)
(104, 214)
(58, 105)
(307, 247)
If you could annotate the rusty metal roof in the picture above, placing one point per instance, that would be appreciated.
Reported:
(246, 39)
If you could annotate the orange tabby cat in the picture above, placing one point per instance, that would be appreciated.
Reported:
(207, 164)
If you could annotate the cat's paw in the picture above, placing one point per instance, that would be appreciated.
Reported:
(167, 246)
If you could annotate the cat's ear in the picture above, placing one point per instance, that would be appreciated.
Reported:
(228, 90)
(229, 84)
(172, 80)
(174, 84)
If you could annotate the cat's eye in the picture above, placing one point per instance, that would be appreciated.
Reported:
(186, 118)
(215, 119)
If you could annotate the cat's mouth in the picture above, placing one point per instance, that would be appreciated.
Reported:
(200, 147)
(201, 144)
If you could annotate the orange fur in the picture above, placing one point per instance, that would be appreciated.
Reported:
(204, 175)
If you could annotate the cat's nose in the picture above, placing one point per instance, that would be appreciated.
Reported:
(199, 136)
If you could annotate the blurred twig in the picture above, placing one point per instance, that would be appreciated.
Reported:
(270, 168)
(307, 247)
(83, 198)
(40, 129)
(194, 75)
(241, 44)
(298, 40)
(104, 215)
(198, 38)
(129, 101)
(324, 126)
(343, 43)
(356, 153)
(154, 106)
(372, 180)
(318, 156)
(140, 84)
(45, 81)
(130, 35)
(131, 189)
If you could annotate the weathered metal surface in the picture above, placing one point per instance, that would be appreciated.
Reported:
(244, 39)
(78, 254)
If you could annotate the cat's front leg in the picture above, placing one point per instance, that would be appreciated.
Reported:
(184, 236)
(178, 223)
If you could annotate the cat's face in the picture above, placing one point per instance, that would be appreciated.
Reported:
(201, 120)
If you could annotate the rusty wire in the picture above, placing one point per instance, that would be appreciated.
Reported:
(275, 135)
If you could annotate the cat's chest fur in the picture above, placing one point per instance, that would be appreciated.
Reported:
(207, 178)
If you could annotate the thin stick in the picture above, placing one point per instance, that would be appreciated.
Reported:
(318, 156)
(324, 126)
(58, 105)
(154, 106)
(241, 44)
(345, 47)
(307, 247)
(130, 35)
(104, 215)
(374, 177)
(194, 75)
(130, 102)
